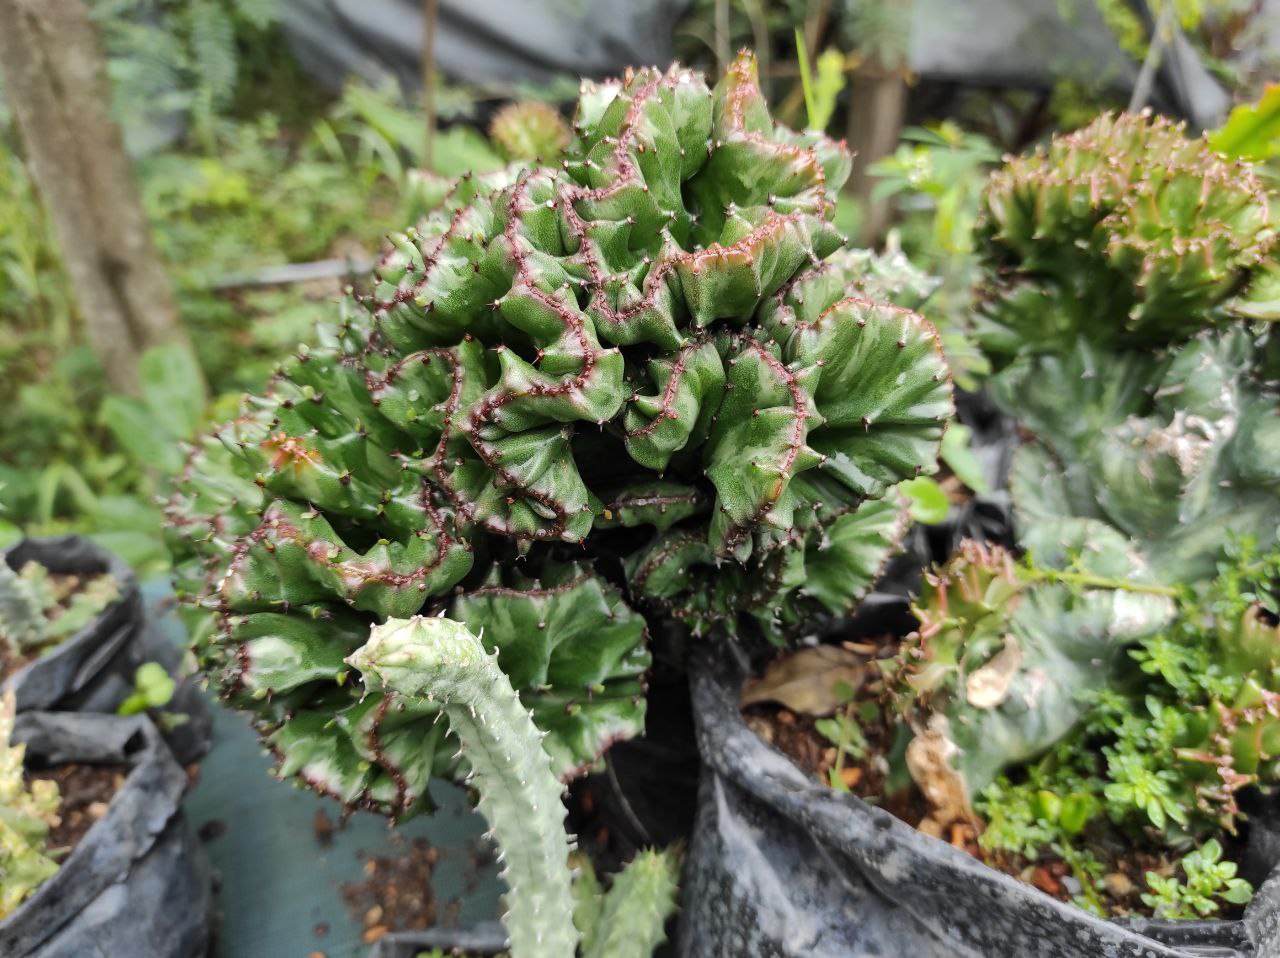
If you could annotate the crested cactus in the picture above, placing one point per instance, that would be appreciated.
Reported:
(1126, 232)
(1119, 261)
(643, 384)
(1007, 654)
(27, 812)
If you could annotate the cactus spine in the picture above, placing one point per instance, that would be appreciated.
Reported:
(438, 659)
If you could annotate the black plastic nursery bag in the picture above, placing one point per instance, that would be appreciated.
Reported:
(138, 884)
(781, 865)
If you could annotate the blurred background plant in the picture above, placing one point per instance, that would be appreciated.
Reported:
(243, 165)
(268, 192)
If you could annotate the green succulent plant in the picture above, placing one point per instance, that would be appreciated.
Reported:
(1008, 655)
(27, 812)
(1126, 266)
(1126, 233)
(438, 661)
(645, 385)
(36, 611)
(529, 130)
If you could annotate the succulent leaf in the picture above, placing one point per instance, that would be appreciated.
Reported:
(1004, 658)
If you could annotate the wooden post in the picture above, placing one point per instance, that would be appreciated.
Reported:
(430, 17)
(55, 80)
(877, 105)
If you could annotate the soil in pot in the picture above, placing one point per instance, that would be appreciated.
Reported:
(396, 892)
(808, 731)
(86, 792)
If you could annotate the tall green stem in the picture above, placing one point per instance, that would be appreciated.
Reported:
(440, 660)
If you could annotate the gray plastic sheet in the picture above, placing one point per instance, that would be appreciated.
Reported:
(138, 884)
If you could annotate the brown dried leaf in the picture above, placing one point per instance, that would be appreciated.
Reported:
(929, 762)
(987, 687)
(806, 681)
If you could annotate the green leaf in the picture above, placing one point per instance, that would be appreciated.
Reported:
(1252, 131)
(957, 454)
(929, 503)
(150, 446)
(173, 389)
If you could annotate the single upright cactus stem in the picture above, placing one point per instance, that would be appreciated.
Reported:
(439, 659)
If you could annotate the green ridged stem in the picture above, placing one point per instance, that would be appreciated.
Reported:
(439, 659)
(633, 916)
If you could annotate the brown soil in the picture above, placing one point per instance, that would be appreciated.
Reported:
(11, 662)
(796, 736)
(86, 792)
(396, 892)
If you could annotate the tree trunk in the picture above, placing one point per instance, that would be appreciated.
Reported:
(55, 79)
(877, 105)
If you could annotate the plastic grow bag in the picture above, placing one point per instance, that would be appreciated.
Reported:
(138, 883)
(74, 666)
(781, 865)
(93, 670)
(480, 41)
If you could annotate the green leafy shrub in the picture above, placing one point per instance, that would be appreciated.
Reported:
(642, 385)
(1207, 878)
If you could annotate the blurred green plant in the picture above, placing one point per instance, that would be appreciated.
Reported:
(935, 178)
(329, 184)
(173, 62)
(153, 688)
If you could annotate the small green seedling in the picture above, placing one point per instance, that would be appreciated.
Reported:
(1207, 881)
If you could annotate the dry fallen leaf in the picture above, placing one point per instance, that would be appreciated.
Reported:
(987, 687)
(807, 681)
(929, 762)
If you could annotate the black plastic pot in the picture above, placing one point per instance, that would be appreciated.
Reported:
(480, 941)
(138, 883)
(93, 670)
(781, 865)
(73, 667)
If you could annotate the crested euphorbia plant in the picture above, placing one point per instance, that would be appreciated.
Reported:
(642, 385)
(1123, 262)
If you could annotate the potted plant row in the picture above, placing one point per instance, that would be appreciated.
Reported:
(95, 854)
